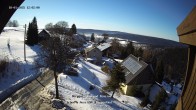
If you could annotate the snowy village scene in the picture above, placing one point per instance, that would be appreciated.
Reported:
(92, 55)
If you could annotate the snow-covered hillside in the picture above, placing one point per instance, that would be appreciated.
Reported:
(18, 71)
(75, 92)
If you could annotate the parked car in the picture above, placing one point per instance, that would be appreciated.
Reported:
(74, 65)
(72, 71)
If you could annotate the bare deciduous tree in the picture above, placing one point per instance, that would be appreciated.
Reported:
(54, 55)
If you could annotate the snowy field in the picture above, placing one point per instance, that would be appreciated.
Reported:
(75, 92)
(19, 71)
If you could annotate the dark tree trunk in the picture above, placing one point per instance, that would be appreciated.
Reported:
(113, 93)
(56, 84)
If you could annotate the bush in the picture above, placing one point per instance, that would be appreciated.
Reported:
(91, 87)
(158, 99)
(72, 72)
(145, 101)
(132, 91)
(173, 106)
(135, 91)
(105, 69)
(3, 65)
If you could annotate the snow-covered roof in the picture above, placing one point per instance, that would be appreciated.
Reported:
(89, 49)
(93, 58)
(104, 46)
(44, 30)
(119, 60)
(101, 47)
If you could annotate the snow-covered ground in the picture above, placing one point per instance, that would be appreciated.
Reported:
(172, 95)
(18, 71)
(75, 92)
(88, 45)
(109, 62)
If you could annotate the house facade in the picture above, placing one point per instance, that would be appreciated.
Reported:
(104, 47)
(93, 54)
(96, 53)
(137, 73)
(43, 35)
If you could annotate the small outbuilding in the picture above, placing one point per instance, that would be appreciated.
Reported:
(43, 35)
(104, 48)
(95, 53)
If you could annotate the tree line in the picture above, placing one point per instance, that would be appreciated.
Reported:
(13, 23)
(61, 27)
(126, 50)
(169, 63)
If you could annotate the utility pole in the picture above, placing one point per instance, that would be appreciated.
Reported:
(24, 43)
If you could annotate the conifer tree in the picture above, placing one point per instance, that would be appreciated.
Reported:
(29, 35)
(159, 70)
(73, 28)
(93, 37)
(139, 52)
(32, 32)
(117, 77)
(129, 49)
(35, 31)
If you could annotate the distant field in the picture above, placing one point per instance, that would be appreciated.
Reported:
(153, 41)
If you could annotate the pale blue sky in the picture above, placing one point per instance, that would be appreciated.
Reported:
(158, 18)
